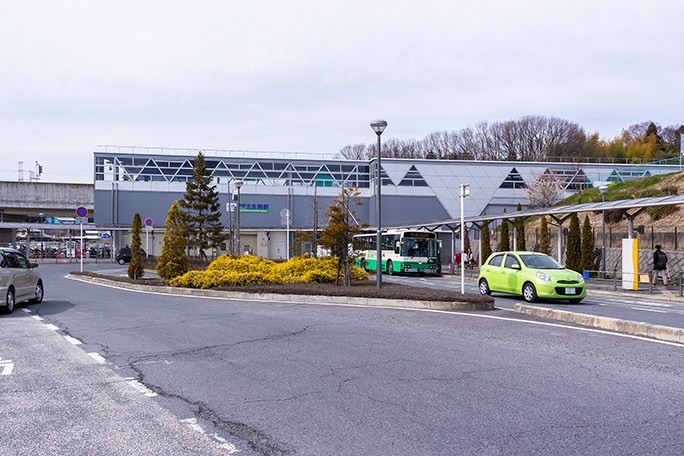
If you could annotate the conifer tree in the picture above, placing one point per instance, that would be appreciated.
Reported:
(520, 232)
(486, 244)
(172, 262)
(202, 210)
(587, 246)
(135, 267)
(573, 253)
(544, 237)
(342, 226)
(505, 243)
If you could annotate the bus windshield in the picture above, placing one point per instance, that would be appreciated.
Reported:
(419, 247)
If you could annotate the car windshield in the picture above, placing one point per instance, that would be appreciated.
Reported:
(540, 262)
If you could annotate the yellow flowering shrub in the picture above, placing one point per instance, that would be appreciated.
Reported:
(248, 270)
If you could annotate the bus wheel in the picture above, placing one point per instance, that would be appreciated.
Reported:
(390, 269)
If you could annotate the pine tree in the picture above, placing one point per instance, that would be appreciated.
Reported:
(544, 237)
(135, 267)
(587, 246)
(486, 244)
(339, 234)
(520, 231)
(202, 210)
(505, 244)
(573, 253)
(172, 262)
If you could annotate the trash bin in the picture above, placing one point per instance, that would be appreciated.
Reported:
(586, 275)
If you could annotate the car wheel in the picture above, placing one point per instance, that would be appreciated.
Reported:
(39, 293)
(390, 268)
(529, 292)
(575, 301)
(9, 301)
(484, 287)
(121, 261)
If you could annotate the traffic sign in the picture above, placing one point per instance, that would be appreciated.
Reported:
(82, 212)
(148, 222)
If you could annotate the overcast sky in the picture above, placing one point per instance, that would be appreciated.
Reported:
(309, 76)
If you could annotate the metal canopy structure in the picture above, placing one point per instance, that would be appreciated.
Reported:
(559, 214)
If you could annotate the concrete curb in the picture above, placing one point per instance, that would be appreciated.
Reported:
(665, 333)
(348, 300)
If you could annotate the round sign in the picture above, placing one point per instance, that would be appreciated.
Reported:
(82, 211)
(148, 222)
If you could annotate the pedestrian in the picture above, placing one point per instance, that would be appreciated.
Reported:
(659, 265)
(469, 259)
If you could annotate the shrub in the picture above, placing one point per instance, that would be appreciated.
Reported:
(251, 270)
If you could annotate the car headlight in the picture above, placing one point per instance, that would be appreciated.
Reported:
(580, 277)
(542, 276)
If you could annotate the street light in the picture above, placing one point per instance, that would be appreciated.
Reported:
(238, 185)
(603, 189)
(463, 191)
(378, 127)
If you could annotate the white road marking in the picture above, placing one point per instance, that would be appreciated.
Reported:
(223, 443)
(140, 387)
(37, 317)
(52, 327)
(28, 311)
(73, 340)
(6, 367)
(97, 357)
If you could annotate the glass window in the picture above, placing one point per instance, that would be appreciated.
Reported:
(12, 260)
(511, 261)
(496, 260)
(540, 262)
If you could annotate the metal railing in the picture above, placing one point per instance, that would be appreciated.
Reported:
(608, 276)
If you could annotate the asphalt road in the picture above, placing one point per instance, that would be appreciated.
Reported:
(302, 379)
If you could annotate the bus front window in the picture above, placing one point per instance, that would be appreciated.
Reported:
(416, 248)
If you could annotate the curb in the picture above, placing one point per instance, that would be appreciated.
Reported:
(664, 333)
(347, 300)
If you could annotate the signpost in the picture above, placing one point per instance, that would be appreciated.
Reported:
(82, 213)
(148, 227)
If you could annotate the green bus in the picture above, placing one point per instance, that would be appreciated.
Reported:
(403, 251)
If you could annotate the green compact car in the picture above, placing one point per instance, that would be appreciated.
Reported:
(531, 275)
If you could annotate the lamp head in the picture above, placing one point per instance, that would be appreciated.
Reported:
(238, 184)
(603, 189)
(378, 126)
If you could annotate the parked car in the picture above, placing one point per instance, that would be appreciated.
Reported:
(531, 275)
(19, 280)
(124, 256)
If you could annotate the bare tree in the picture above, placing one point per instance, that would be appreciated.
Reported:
(543, 190)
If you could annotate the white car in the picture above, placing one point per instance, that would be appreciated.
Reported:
(18, 280)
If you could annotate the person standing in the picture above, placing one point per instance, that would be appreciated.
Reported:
(659, 265)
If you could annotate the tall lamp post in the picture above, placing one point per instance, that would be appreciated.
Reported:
(378, 127)
(238, 185)
(463, 191)
(603, 189)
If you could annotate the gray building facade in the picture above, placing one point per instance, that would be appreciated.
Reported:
(147, 181)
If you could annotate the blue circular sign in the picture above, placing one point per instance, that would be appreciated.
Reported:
(82, 211)
(148, 222)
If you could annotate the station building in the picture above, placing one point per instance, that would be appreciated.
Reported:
(414, 191)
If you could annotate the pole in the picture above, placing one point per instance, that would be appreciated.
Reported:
(81, 246)
(378, 212)
(239, 252)
(603, 241)
(462, 243)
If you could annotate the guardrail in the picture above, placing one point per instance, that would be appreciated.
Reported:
(606, 276)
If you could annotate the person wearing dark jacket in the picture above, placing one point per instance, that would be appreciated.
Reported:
(659, 265)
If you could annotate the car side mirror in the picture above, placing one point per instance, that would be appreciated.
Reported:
(34, 265)
(515, 266)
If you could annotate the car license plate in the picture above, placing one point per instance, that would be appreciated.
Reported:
(569, 291)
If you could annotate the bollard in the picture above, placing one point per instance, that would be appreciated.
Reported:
(614, 279)
(680, 284)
